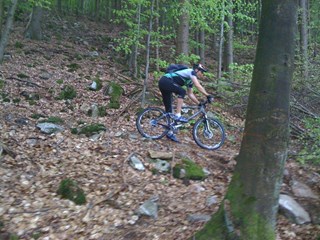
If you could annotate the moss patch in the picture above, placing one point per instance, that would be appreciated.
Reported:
(68, 92)
(192, 170)
(115, 91)
(69, 189)
(89, 130)
(55, 120)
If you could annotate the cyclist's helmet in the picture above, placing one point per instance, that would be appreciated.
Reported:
(200, 67)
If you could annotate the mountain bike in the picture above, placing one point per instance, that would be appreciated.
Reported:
(208, 133)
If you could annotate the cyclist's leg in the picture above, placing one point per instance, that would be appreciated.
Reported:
(168, 86)
(166, 92)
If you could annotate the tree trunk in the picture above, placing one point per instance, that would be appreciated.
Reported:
(145, 82)
(1, 15)
(33, 30)
(183, 30)
(250, 206)
(304, 38)
(134, 53)
(7, 28)
(219, 72)
(59, 6)
(157, 30)
(228, 46)
(202, 46)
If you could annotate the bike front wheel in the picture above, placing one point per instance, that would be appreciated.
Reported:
(153, 123)
(208, 133)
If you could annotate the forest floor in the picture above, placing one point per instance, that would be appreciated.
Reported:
(35, 163)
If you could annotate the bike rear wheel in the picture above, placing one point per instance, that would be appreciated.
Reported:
(209, 133)
(153, 123)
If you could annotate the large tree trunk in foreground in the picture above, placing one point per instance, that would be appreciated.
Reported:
(250, 207)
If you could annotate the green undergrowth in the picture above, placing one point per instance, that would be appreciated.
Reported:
(69, 189)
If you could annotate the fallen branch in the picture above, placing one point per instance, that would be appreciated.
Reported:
(25, 81)
(6, 150)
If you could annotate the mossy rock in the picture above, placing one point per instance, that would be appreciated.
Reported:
(98, 83)
(68, 92)
(69, 189)
(114, 90)
(101, 111)
(89, 130)
(192, 170)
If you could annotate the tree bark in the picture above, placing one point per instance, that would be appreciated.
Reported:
(1, 15)
(304, 38)
(183, 30)
(250, 206)
(7, 28)
(228, 46)
(202, 46)
(33, 30)
(143, 101)
(133, 62)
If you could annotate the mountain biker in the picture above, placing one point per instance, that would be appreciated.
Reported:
(174, 82)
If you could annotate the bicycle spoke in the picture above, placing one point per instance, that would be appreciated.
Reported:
(208, 134)
(152, 123)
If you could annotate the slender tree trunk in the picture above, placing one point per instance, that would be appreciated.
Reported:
(145, 82)
(59, 6)
(157, 22)
(202, 46)
(33, 30)
(134, 54)
(183, 29)
(7, 28)
(250, 206)
(228, 47)
(304, 38)
(219, 73)
(1, 15)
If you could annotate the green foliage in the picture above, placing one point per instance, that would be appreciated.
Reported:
(2, 84)
(68, 92)
(37, 116)
(59, 81)
(18, 44)
(310, 142)
(22, 75)
(190, 60)
(69, 189)
(72, 67)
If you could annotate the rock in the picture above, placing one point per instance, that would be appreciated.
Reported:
(49, 128)
(194, 218)
(160, 155)
(136, 163)
(302, 190)
(293, 210)
(149, 207)
(211, 200)
(162, 166)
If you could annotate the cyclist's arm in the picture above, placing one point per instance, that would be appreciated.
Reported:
(198, 86)
(192, 96)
